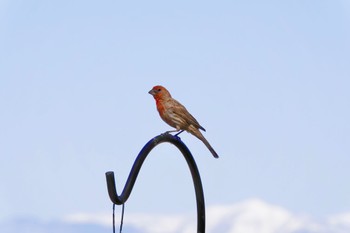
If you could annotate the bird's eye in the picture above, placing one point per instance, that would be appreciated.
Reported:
(159, 89)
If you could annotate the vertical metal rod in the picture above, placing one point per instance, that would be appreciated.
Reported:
(123, 197)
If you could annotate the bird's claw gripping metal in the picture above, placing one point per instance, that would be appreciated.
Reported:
(176, 135)
(172, 131)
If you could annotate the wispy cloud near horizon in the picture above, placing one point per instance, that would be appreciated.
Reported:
(249, 216)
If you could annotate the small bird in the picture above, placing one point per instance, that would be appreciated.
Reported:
(177, 116)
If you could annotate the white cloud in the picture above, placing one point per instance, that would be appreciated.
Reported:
(255, 216)
(251, 216)
(339, 222)
(146, 222)
(101, 219)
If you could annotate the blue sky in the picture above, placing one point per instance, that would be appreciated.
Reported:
(268, 80)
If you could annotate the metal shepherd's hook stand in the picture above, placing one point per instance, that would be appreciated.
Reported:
(175, 140)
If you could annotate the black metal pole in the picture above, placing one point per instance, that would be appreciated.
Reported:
(123, 197)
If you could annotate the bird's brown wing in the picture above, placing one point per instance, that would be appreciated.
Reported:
(181, 111)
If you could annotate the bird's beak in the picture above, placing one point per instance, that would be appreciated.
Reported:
(152, 92)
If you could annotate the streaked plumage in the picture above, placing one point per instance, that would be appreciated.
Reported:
(177, 116)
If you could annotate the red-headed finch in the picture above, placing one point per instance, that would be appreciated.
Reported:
(177, 116)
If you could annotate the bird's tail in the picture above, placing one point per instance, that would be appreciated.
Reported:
(200, 136)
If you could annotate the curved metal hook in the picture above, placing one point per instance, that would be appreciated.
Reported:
(119, 200)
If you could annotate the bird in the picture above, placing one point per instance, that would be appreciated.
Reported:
(176, 115)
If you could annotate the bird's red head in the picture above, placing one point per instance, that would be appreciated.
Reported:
(159, 92)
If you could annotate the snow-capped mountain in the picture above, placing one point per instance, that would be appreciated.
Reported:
(251, 216)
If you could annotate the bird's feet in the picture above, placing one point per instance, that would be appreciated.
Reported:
(172, 131)
(176, 135)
